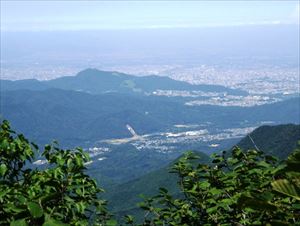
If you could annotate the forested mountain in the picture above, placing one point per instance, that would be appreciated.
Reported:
(97, 82)
(76, 117)
(273, 140)
(29, 84)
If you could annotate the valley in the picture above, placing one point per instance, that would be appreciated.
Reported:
(166, 142)
(133, 125)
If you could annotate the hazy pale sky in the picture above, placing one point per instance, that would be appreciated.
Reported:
(79, 15)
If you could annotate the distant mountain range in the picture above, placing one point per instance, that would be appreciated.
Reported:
(94, 81)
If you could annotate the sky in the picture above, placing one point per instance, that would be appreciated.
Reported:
(95, 15)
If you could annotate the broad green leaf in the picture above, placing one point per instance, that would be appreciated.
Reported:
(3, 169)
(255, 203)
(21, 222)
(285, 187)
(35, 210)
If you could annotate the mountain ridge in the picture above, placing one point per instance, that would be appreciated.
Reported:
(95, 81)
(273, 140)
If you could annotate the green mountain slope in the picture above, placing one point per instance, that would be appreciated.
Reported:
(30, 84)
(275, 140)
(124, 197)
(125, 163)
(75, 117)
(98, 82)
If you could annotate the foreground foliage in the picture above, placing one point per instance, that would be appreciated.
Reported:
(60, 195)
(245, 188)
(237, 188)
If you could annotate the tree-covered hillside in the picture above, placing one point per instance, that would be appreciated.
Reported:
(98, 82)
(273, 140)
(125, 197)
(78, 117)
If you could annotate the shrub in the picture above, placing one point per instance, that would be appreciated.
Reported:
(61, 194)
(243, 188)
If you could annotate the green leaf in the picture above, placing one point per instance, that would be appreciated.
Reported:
(21, 222)
(13, 208)
(35, 210)
(111, 223)
(227, 201)
(255, 203)
(212, 209)
(69, 163)
(3, 193)
(215, 191)
(296, 206)
(204, 184)
(3, 169)
(163, 190)
(129, 219)
(293, 162)
(285, 187)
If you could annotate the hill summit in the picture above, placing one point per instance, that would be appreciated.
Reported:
(277, 140)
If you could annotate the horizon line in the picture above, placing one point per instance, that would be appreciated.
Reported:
(159, 27)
